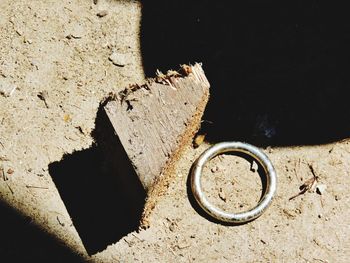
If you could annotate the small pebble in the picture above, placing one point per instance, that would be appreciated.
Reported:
(172, 226)
(28, 41)
(102, 13)
(214, 169)
(70, 36)
(10, 171)
(6, 88)
(118, 59)
(35, 63)
(321, 189)
(76, 31)
(222, 195)
(67, 118)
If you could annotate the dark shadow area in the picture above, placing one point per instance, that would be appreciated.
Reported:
(279, 71)
(100, 189)
(22, 241)
(199, 209)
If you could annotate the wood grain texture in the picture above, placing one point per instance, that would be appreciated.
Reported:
(155, 121)
(152, 119)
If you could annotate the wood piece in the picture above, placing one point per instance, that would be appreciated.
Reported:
(155, 121)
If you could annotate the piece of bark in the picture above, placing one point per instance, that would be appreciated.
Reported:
(155, 121)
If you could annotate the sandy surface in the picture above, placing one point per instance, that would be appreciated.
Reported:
(56, 54)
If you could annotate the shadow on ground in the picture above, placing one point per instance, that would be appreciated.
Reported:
(100, 189)
(22, 241)
(279, 71)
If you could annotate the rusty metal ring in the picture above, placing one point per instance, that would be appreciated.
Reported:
(223, 147)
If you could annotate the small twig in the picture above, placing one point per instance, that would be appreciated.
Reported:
(321, 260)
(70, 10)
(308, 184)
(43, 96)
(184, 246)
(127, 242)
(37, 187)
(69, 138)
(2, 172)
(312, 169)
(87, 18)
(73, 106)
(10, 188)
(161, 123)
(59, 221)
(138, 237)
(172, 251)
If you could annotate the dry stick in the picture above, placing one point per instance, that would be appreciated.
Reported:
(37, 187)
(313, 171)
(182, 247)
(59, 221)
(308, 184)
(172, 251)
(127, 242)
(9, 188)
(43, 95)
(137, 237)
(4, 177)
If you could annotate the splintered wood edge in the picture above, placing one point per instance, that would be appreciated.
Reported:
(168, 173)
(163, 182)
(156, 190)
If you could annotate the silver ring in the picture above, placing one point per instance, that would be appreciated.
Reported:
(259, 156)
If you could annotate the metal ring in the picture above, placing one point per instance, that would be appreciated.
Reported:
(259, 156)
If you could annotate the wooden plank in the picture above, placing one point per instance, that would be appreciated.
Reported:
(155, 121)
